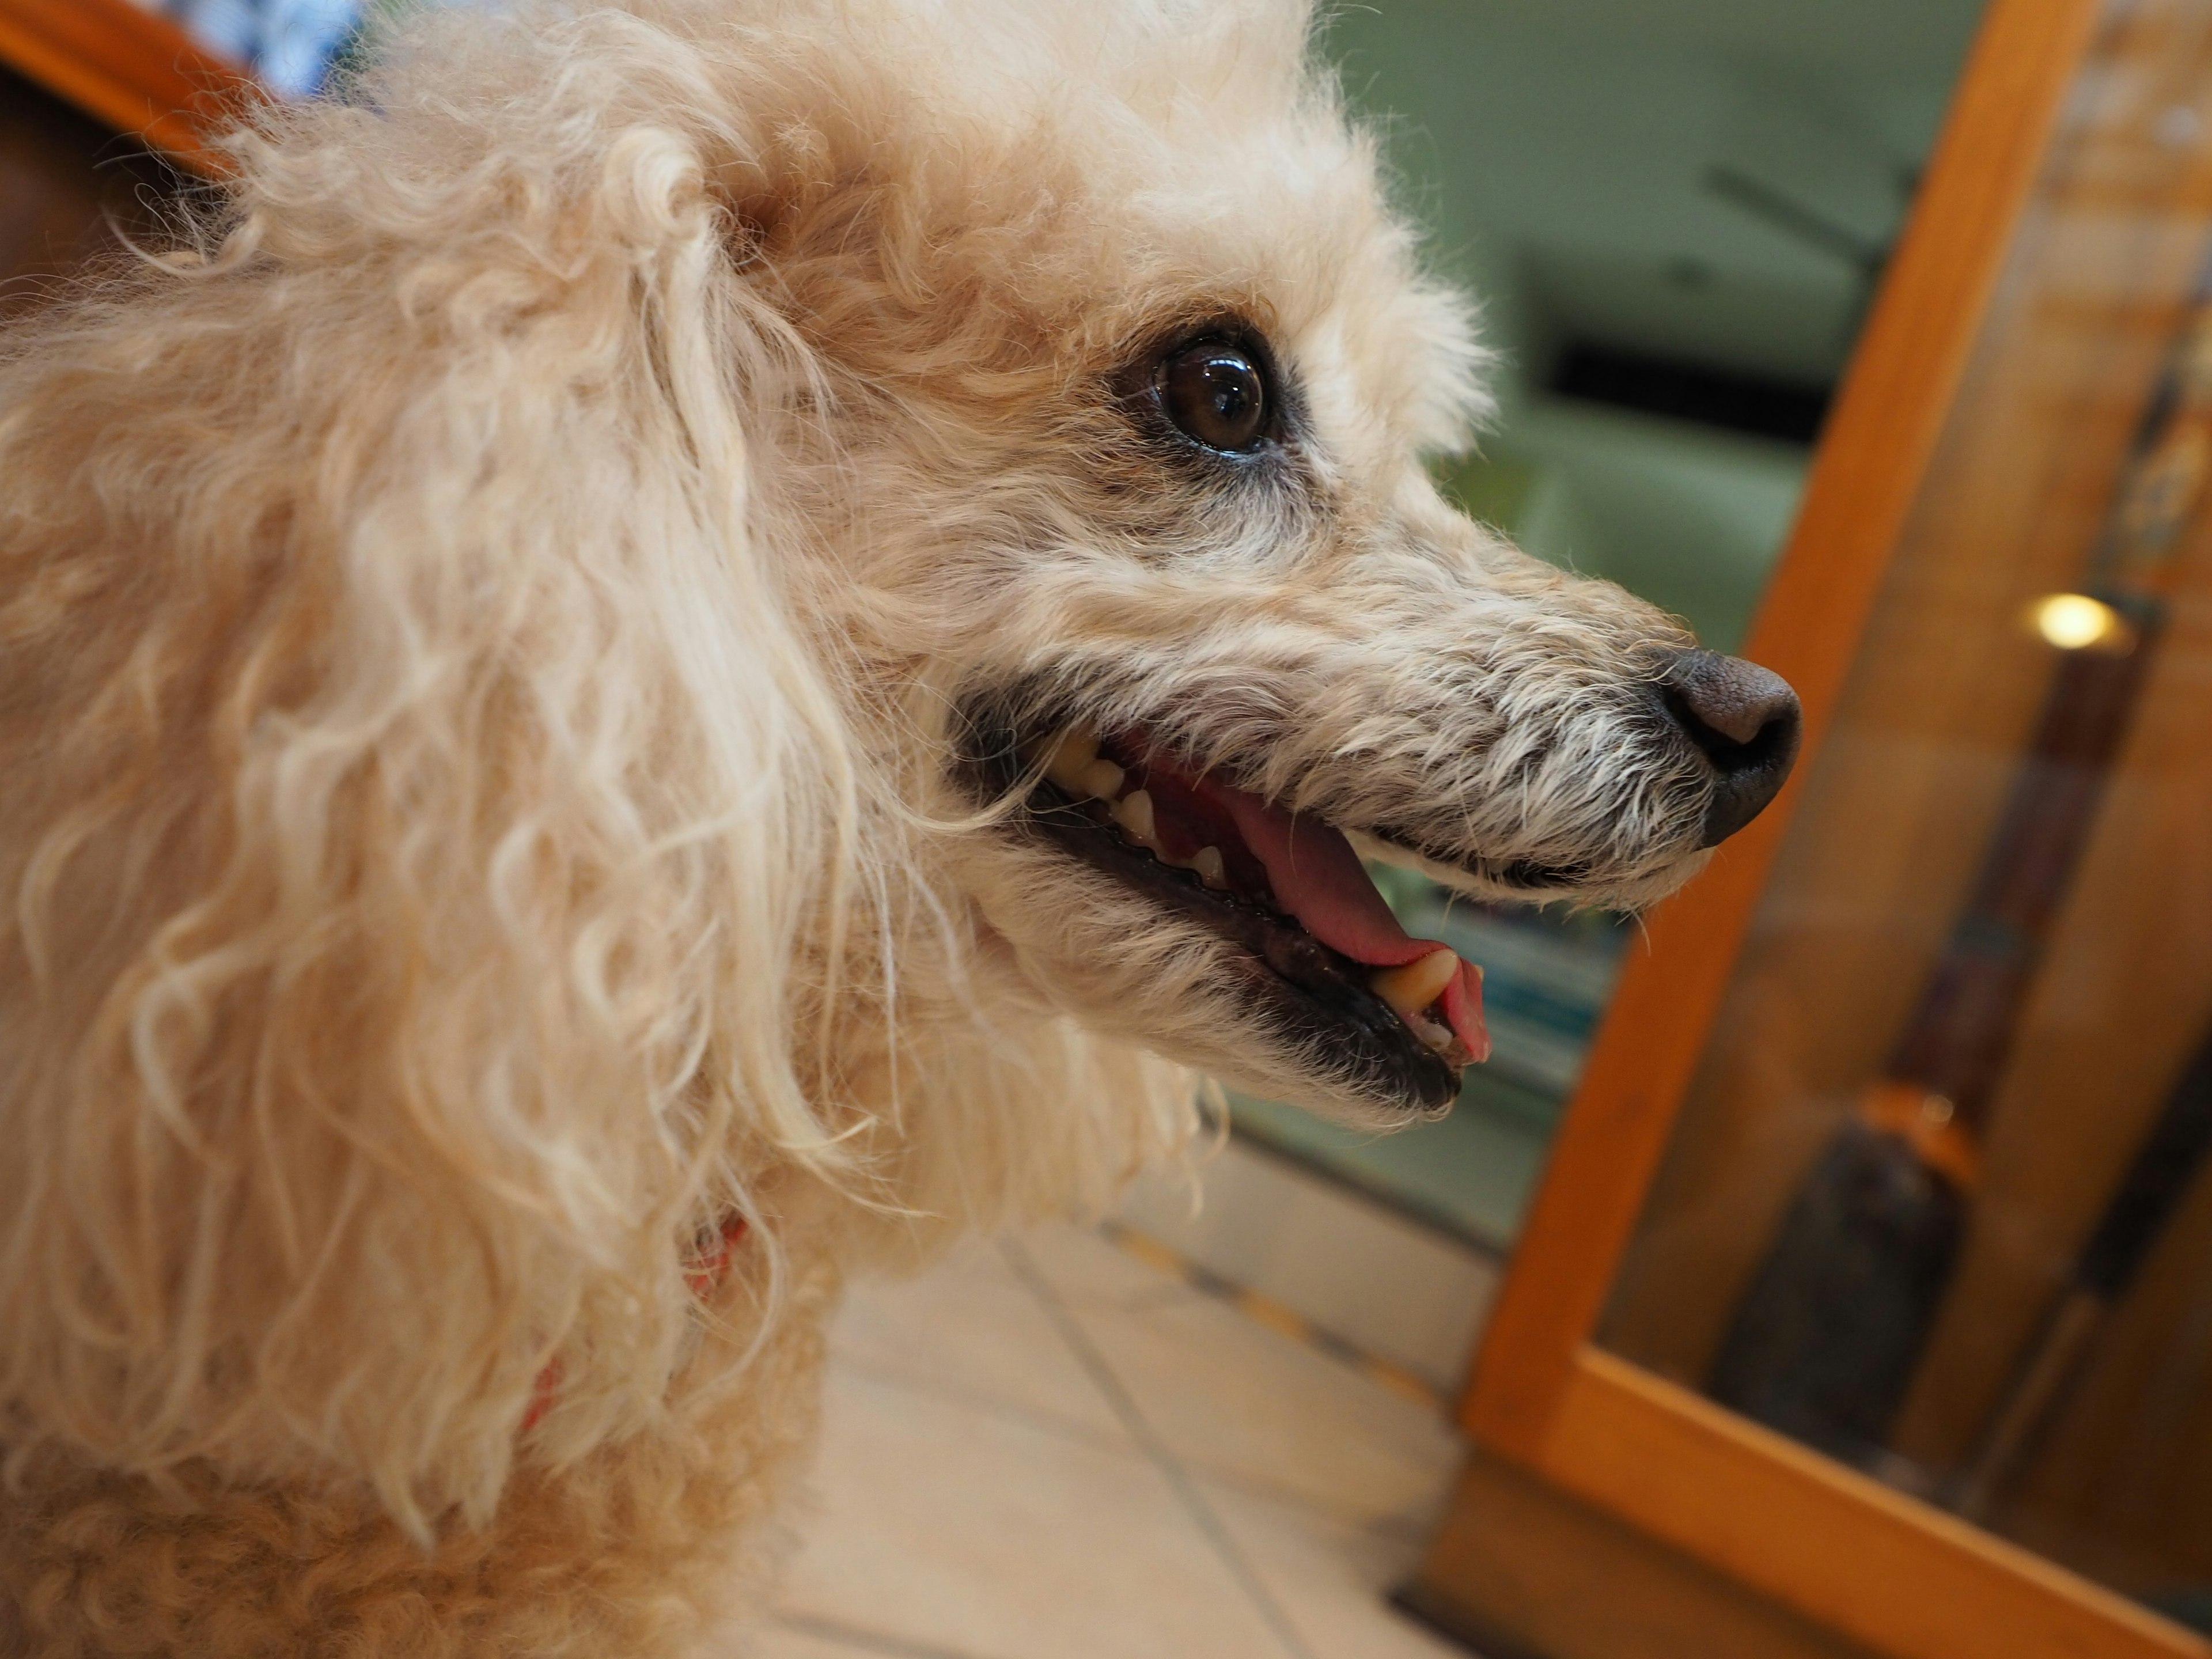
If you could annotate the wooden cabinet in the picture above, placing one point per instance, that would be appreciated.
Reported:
(123, 65)
(80, 80)
(2027, 423)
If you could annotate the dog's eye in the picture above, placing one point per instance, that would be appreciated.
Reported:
(1215, 392)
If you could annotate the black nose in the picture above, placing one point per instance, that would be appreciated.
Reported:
(1743, 719)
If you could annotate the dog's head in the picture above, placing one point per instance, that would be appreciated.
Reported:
(660, 585)
(1134, 375)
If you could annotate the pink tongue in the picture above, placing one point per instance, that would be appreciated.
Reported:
(1318, 878)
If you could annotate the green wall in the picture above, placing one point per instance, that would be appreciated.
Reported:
(1561, 153)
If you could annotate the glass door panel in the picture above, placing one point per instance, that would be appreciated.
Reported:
(1935, 1203)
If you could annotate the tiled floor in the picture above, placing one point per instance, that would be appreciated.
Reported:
(1402, 1292)
(1048, 1450)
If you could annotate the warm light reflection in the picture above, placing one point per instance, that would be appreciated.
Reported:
(2075, 622)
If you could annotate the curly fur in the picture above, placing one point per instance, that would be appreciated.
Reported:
(487, 623)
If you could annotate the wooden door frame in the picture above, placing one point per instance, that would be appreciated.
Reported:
(1900, 1575)
(134, 70)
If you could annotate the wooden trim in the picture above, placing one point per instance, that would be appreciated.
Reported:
(1881, 439)
(134, 70)
(1524, 1569)
(1895, 1574)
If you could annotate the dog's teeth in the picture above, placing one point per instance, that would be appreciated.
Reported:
(1103, 779)
(1413, 988)
(1134, 813)
(1434, 1036)
(1072, 758)
(1211, 869)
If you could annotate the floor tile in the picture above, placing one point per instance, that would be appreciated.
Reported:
(1330, 1578)
(1397, 1290)
(793, 1644)
(945, 1525)
(970, 1326)
(1231, 1397)
(781, 1642)
(804, 1637)
(1087, 1268)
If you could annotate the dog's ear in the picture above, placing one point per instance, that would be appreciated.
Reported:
(421, 804)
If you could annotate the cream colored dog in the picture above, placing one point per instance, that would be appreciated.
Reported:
(656, 668)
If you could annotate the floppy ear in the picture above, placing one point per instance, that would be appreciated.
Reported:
(421, 807)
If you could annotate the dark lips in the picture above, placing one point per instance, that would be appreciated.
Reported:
(1317, 999)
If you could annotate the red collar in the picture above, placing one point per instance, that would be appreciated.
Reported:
(708, 1266)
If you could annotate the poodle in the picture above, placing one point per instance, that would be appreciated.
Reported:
(679, 649)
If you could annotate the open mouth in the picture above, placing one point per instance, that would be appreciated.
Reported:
(1324, 958)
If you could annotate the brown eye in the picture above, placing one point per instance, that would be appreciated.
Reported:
(1215, 394)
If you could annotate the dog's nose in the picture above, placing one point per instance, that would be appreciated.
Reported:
(1746, 721)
